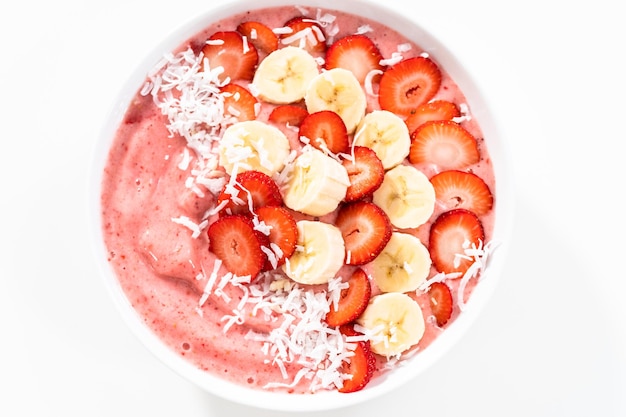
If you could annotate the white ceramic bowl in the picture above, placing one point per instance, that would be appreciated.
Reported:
(463, 72)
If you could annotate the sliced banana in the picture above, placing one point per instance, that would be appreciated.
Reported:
(403, 265)
(407, 196)
(253, 145)
(317, 183)
(337, 90)
(387, 134)
(319, 253)
(283, 76)
(395, 322)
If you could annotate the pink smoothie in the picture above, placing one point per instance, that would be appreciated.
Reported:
(156, 203)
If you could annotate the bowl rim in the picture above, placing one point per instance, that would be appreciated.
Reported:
(464, 76)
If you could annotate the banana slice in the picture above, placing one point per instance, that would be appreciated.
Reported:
(253, 145)
(316, 184)
(387, 134)
(283, 76)
(338, 90)
(395, 321)
(319, 254)
(402, 265)
(407, 196)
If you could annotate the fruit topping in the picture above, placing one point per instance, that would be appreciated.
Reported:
(305, 33)
(235, 242)
(440, 299)
(231, 51)
(365, 228)
(409, 84)
(386, 134)
(433, 110)
(260, 35)
(460, 189)
(360, 367)
(445, 144)
(249, 191)
(352, 301)
(239, 102)
(365, 171)
(357, 53)
(326, 131)
(452, 233)
(288, 114)
(283, 232)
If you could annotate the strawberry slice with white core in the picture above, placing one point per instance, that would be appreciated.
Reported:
(452, 233)
(361, 365)
(366, 230)
(409, 84)
(433, 110)
(239, 102)
(283, 232)
(441, 303)
(232, 52)
(353, 300)
(234, 241)
(460, 189)
(250, 190)
(356, 53)
(445, 144)
(365, 171)
(326, 131)
(260, 35)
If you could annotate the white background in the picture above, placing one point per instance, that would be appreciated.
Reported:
(551, 342)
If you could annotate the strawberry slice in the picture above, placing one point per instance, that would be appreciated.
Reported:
(440, 298)
(409, 84)
(365, 228)
(361, 366)
(235, 242)
(353, 300)
(229, 50)
(283, 232)
(239, 102)
(356, 53)
(326, 131)
(305, 33)
(288, 114)
(445, 144)
(433, 110)
(448, 236)
(250, 187)
(260, 35)
(366, 173)
(460, 189)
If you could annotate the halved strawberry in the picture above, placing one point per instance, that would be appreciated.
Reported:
(433, 110)
(366, 173)
(239, 102)
(353, 300)
(356, 53)
(288, 114)
(448, 236)
(235, 242)
(228, 50)
(283, 231)
(460, 189)
(260, 35)
(361, 366)
(326, 130)
(409, 84)
(446, 144)
(366, 230)
(251, 187)
(305, 33)
(440, 299)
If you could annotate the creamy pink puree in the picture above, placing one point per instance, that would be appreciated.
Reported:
(157, 260)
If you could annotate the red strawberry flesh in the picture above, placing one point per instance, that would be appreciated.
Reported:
(433, 110)
(251, 187)
(260, 35)
(239, 102)
(365, 172)
(356, 53)
(353, 300)
(227, 49)
(326, 130)
(283, 230)
(361, 365)
(460, 189)
(366, 230)
(288, 114)
(445, 144)
(441, 304)
(306, 33)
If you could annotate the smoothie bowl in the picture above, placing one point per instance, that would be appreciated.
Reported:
(300, 206)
